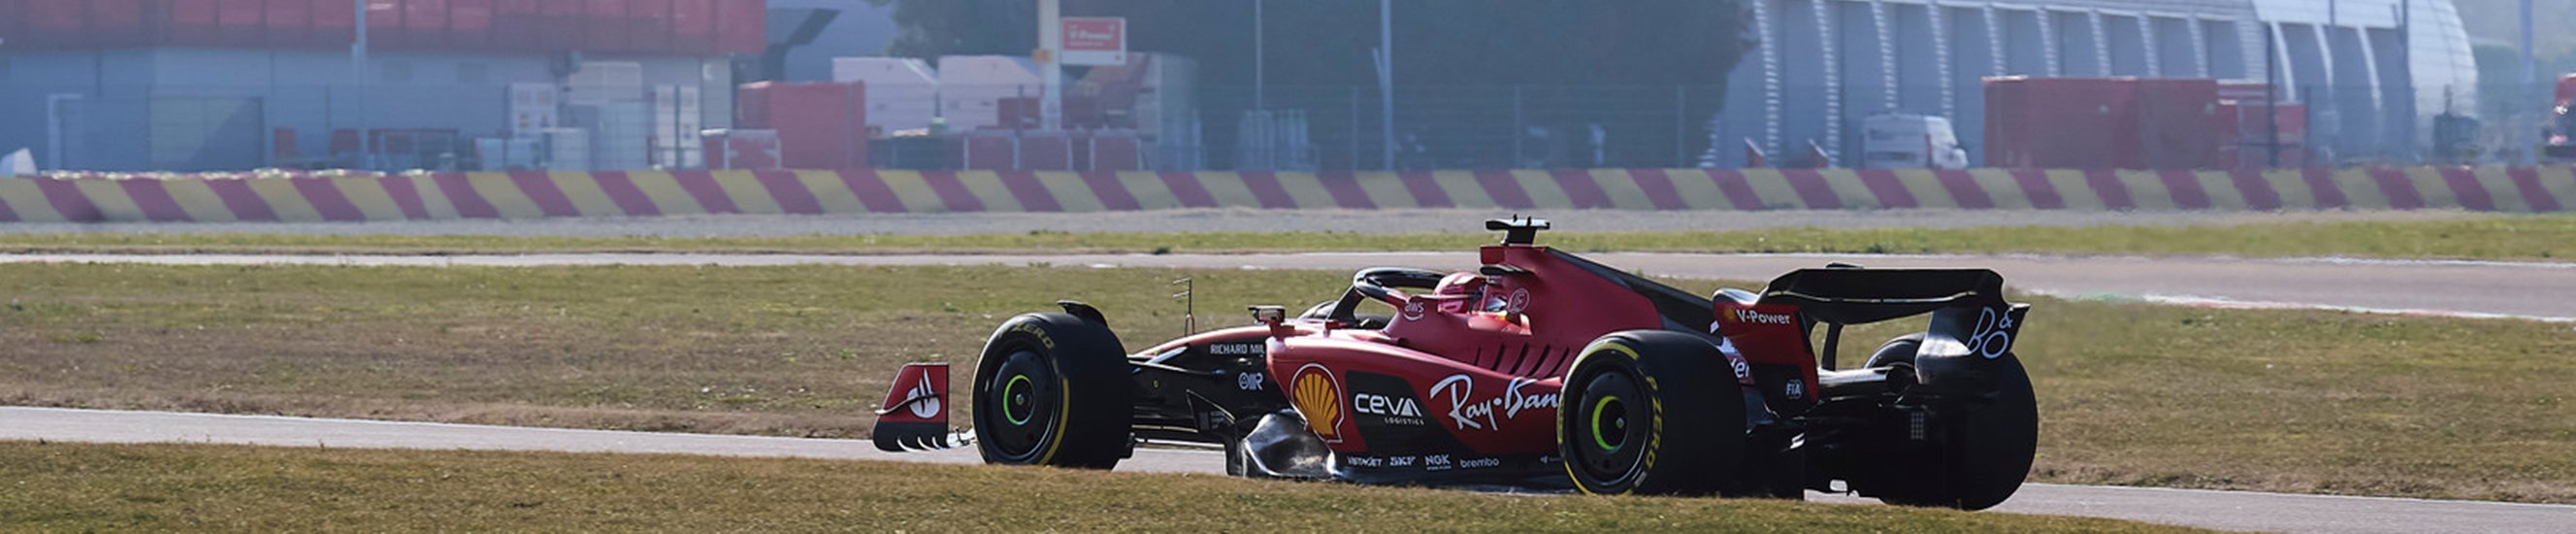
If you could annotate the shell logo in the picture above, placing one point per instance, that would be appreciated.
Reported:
(1319, 399)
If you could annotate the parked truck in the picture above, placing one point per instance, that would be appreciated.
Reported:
(1900, 141)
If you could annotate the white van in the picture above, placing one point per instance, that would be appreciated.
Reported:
(1910, 141)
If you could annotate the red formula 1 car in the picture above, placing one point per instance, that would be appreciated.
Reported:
(1541, 368)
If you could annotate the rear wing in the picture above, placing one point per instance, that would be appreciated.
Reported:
(1862, 296)
(1969, 313)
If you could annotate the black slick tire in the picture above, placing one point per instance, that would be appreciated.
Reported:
(1650, 412)
(1051, 389)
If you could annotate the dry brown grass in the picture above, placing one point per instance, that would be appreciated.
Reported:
(196, 488)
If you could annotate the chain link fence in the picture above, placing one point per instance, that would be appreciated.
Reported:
(88, 125)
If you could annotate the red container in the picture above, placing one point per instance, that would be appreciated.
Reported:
(188, 22)
(742, 26)
(742, 149)
(649, 27)
(469, 24)
(693, 24)
(46, 22)
(115, 21)
(244, 22)
(563, 28)
(518, 24)
(2077, 123)
(820, 125)
(334, 23)
(288, 22)
(607, 24)
(2178, 124)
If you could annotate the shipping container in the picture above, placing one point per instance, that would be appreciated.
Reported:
(193, 21)
(115, 21)
(693, 24)
(518, 24)
(563, 29)
(2084, 123)
(2177, 121)
(819, 125)
(469, 24)
(649, 27)
(606, 25)
(742, 149)
(288, 22)
(335, 23)
(244, 22)
(742, 26)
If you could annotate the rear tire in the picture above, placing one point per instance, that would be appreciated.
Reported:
(1984, 455)
(1050, 389)
(1651, 413)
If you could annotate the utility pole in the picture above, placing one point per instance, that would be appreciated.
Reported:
(1386, 76)
(1050, 64)
(357, 86)
(1260, 59)
(2522, 92)
(2271, 95)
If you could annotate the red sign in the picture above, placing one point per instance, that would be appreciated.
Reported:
(1095, 41)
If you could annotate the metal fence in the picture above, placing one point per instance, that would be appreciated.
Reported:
(85, 125)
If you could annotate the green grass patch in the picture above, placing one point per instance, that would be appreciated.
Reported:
(2133, 394)
(70, 488)
(2527, 237)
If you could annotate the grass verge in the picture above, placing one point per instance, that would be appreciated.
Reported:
(2131, 394)
(2529, 237)
(65, 487)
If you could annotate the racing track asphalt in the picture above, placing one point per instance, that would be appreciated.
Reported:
(2528, 290)
(2200, 508)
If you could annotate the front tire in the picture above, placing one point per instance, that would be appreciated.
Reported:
(1049, 390)
(1650, 413)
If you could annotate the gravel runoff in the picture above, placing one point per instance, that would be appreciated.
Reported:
(1226, 220)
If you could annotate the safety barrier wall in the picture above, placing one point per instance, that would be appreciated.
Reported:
(529, 195)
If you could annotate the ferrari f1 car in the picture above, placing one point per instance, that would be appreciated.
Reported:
(1541, 368)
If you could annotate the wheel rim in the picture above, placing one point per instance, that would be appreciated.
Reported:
(1616, 428)
(1609, 423)
(1024, 391)
(1015, 400)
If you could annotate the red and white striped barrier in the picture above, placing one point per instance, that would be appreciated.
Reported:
(530, 195)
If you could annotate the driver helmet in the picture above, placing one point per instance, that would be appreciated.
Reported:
(1470, 285)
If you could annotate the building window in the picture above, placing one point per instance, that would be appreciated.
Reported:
(473, 73)
(397, 71)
